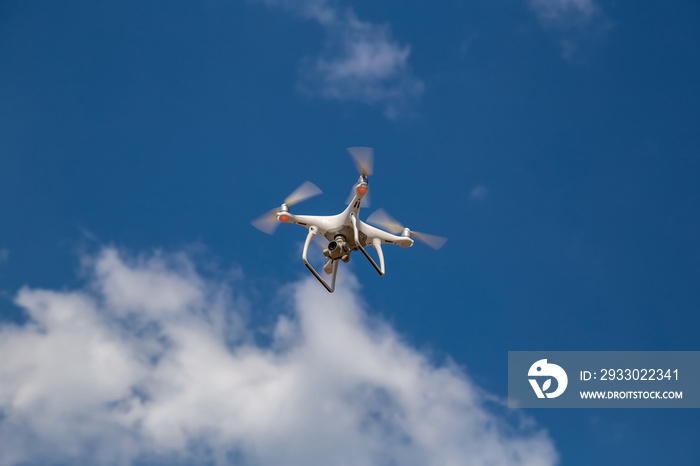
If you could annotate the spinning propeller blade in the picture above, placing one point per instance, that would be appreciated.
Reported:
(384, 220)
(364, 159)
(268, 223)
(435, 242)
(302, 193)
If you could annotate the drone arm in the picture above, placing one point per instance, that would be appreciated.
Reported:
(312, 232)
(376, 242)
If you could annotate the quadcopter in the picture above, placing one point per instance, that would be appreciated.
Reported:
(345, 232)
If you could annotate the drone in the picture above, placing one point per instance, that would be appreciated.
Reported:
(345, 232)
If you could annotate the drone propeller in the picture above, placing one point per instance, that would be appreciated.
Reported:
(364, 159)
(268, 222)
(381, 218)
(302, 193)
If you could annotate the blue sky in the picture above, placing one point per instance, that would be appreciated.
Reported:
(555, 142)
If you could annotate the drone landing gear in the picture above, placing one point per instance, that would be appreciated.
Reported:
(312, 232)
(376, 242)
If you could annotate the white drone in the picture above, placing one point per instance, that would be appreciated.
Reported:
(345, 232)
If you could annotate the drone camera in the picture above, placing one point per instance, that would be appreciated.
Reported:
(337, 249)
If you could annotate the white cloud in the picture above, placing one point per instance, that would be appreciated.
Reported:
(478, 192)
(151, 361)
(573, 22)
(360, 61)
(565, 10)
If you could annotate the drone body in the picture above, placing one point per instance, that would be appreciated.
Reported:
(345, 232)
